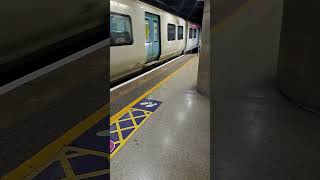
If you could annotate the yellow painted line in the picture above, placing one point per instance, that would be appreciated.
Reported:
(123, 141)
(115, 117)
(236, 13)
(127, 109)
(53, 148)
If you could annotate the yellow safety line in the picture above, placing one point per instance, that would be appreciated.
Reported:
(89, 151)
(121, 120)
(119, 132)
(122, 129)
(67, 168)
(114, 118)
(93, 174)
(123, 141)
(223, 23)
(133, 120)
(50, 150)
(53, 148)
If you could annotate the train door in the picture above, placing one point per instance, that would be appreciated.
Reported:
(152, 37)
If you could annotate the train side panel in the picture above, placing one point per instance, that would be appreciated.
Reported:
(174, 47)
(193, 38)
(125, 59)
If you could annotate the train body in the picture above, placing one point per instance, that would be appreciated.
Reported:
(141, 34)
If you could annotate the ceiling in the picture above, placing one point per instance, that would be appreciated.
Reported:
(191, 10)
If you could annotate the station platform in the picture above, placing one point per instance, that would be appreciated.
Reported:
(160, 125)
(257, 133)
(53, 126)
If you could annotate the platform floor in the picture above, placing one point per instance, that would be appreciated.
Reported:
(36, 115)
(174, 142)
(257, 133)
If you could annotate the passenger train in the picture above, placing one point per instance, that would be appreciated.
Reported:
(141, 34)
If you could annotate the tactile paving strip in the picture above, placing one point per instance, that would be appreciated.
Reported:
(123, 128)
(86, 157)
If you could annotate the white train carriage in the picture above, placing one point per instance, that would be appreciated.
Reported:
(141, 34)
(193, 36)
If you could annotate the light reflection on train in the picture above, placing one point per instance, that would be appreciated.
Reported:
(141, 35)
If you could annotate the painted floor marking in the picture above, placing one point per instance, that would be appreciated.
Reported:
(123, 128)
(44, 156)
(85, 157)
(135, 106)
(34, 75)
(83, 136)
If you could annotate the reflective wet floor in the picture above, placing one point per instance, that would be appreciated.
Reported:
(258, 133)
(174, 142)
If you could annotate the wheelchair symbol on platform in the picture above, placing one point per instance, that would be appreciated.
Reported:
(148, 104)
(112, 146)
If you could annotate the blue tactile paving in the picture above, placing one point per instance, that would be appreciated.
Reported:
(103, 177)
(139, 120)
(113, 127)
(137, 113)
(125, 133)
(125, 116)
(88, 163)
(53, 172)
(82, 164)
(90, 140)
(148, 105)
(125, 124)
(140, 112)
(114, 137)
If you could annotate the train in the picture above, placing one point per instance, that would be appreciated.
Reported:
(142, 35)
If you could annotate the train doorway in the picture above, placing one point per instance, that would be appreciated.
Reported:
(152, 45)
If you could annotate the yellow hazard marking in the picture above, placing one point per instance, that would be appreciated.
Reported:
(51, 150)
(63, 158)
(135, 128)
(115, 119)
(128, 107)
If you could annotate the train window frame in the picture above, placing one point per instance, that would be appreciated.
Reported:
(154, 35)
(180, 36)
(190, 33)
(175, 32)
(131, 33)
(147, 39)
(194, 33)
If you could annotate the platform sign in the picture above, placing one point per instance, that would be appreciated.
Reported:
(124, 127)
(148, 105)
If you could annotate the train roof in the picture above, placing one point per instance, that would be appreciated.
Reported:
(170, 6)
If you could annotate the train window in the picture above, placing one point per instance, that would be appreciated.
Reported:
(171, 32)
(120, 30)
(180, 32)
(155, 30)
(194, 33)
(147, 26)
(190, 33)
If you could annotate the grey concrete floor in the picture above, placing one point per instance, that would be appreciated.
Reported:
(257, 133)
(121, 97)
(174, 141)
